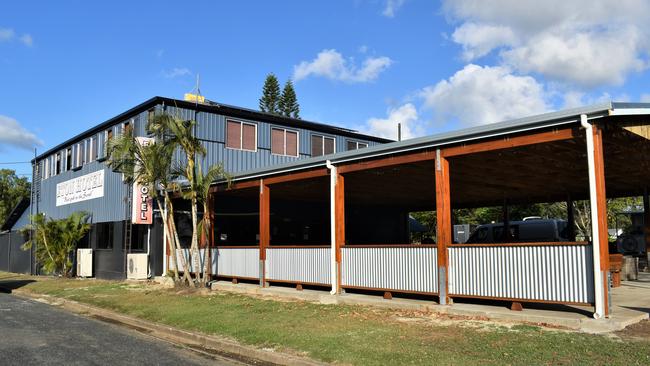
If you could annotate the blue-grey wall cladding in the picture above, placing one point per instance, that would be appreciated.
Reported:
(110, 207)
(210, 128)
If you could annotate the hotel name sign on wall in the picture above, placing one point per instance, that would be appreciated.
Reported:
(79, 189)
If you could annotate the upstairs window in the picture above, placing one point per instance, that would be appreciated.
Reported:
(58, 164)
(241, 135)
(68, 158)
(356, 145)
(93, 148)
(127, 127)
(81, 153)
(46, 168)
(284, 142)
(322, 145)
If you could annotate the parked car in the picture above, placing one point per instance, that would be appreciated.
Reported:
(525, 231)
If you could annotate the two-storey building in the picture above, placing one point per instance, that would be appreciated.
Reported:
(74, 175)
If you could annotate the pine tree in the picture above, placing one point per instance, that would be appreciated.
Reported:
(288, 105)
(269, 102)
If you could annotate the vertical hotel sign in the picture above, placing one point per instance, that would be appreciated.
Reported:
(142, 203)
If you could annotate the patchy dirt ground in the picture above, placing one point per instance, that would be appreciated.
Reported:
(639, 331)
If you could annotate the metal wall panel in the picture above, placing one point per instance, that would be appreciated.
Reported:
(561, 273)
(304, 265)
(110, 207)
(236, 262)
(400, 269)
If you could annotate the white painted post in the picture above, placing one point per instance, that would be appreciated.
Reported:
(595, 236)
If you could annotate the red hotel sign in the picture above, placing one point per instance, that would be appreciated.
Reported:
(142, 206)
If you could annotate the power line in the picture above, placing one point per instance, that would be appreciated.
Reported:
(14, 162)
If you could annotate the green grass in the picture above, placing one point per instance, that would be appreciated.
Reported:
(348, 334)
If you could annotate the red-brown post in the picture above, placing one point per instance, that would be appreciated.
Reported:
(265, 227)
(599, 167)
(339, 214)
(443, 226)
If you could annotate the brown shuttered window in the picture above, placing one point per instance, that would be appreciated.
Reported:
(321, 145)
(284, 142)
(316, 145)
(277, 141)
(241, 136)
(249, 138)
(233, 135)
(328, 145)
(354, 145)
(291, 143)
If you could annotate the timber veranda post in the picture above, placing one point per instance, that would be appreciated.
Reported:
(601, 201)
(340, 224)
(443, 223)
(265, 228)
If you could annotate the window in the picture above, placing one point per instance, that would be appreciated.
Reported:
(241, 135)
(68, 158)
(58, 163)
(355, 145)
(81, 154)
(321, 145)
(46, 168)
(104, 235)
(138, 237)
(127, 127)
(93, 148)
(284, 142)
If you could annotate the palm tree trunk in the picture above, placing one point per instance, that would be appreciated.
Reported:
(195, 243)
(186, 276)
(170, 241)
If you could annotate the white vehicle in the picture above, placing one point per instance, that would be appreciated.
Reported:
(528, 231)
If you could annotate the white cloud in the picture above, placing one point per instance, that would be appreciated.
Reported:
(8, 34)
(391, 7)
(565, 41)
(406, 114)
(480, 95)
(332, 65)
(645, 98)
(13, 134)
(26, 39)
(479, 39)
(177, 72)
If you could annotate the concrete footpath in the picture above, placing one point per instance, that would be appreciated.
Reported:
(198, 342)
(576, 318)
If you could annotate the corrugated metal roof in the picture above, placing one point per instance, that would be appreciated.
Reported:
(214, 107)
(540, 121)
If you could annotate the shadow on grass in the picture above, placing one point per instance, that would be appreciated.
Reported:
(8, 285)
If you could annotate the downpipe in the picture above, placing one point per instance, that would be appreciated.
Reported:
(595, 232)
(333, 267)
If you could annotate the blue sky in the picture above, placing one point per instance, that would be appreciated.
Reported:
(433, 66)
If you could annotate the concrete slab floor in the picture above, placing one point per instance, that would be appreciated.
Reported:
(631, 306)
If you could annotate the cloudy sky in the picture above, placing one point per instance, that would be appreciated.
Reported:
(367, 65)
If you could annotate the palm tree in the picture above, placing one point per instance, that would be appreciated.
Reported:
(55, 240)
(202, 186)
(149, 165)
(179, 132)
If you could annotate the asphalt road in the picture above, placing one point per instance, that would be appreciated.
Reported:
(32, 333)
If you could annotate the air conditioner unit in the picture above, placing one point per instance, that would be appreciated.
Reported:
(137, 266)
(84, 262)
